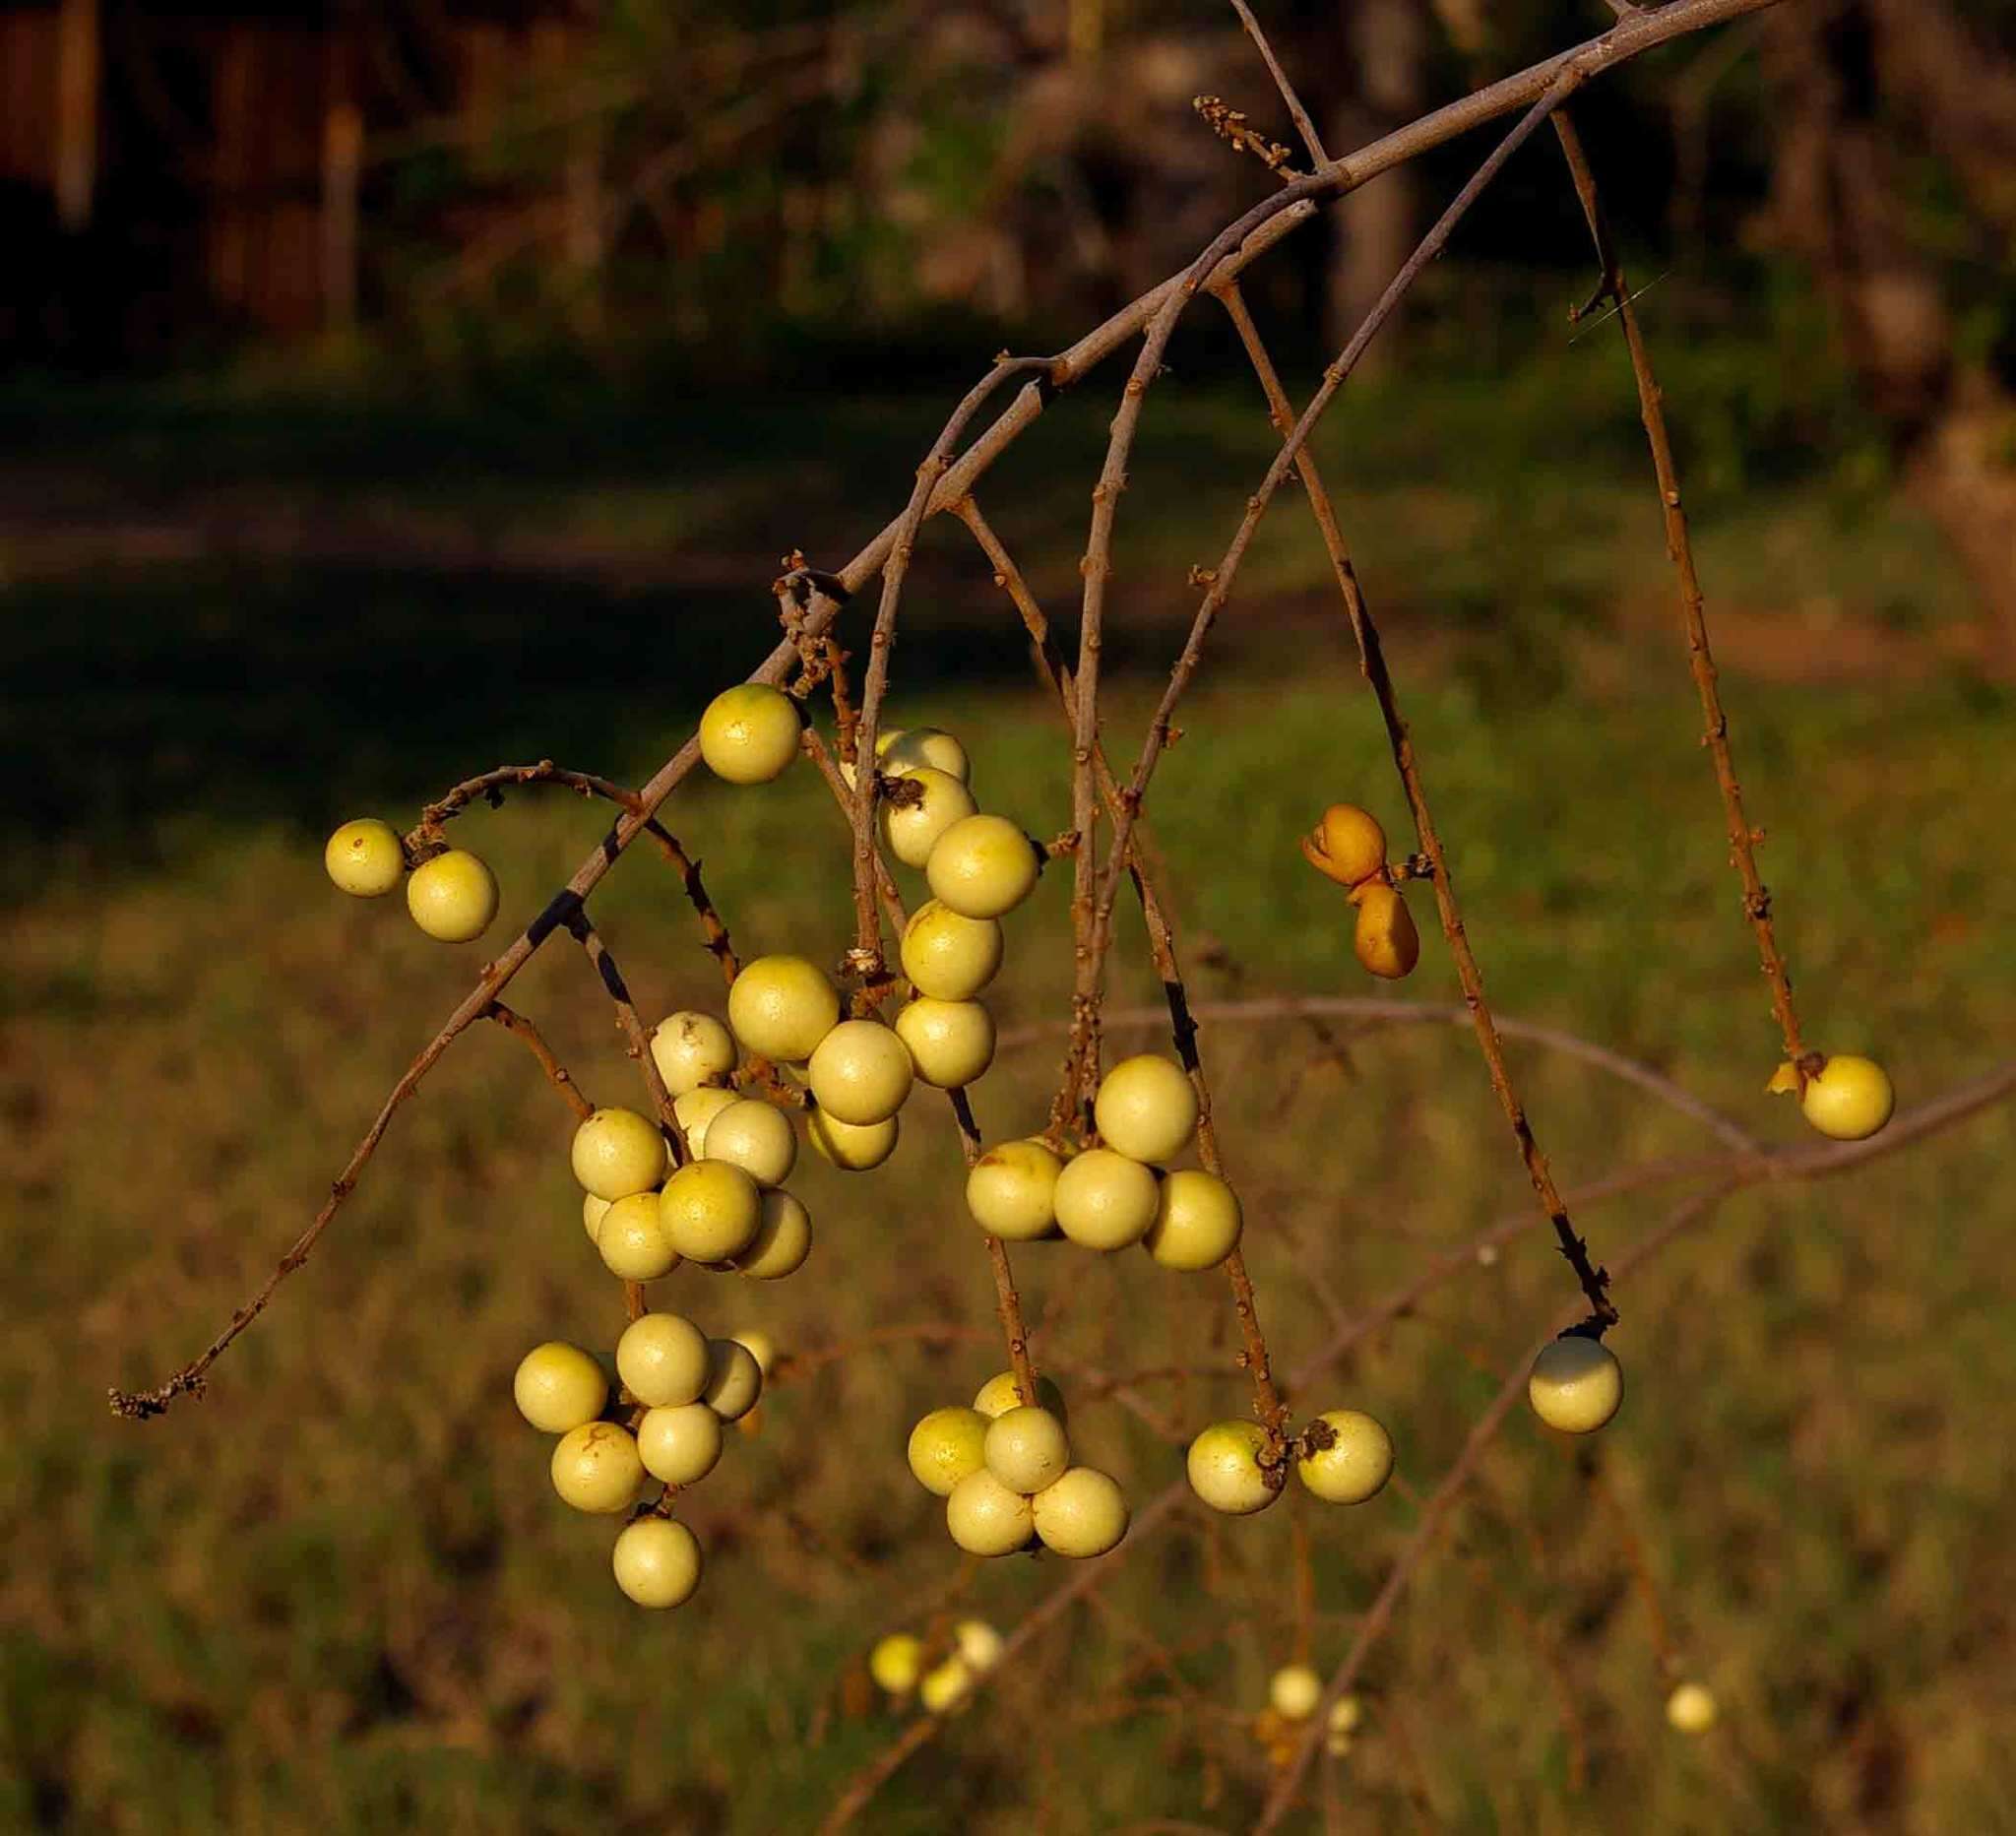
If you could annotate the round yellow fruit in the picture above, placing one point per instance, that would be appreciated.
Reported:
(1294, 1692)
(983, 866)
(1026, 1449)
(946, 1686)
(749, 734)
(946, 1446)
(735, 1379)
(662, 1359)
(854, 1150)
(617, 1152)
(902, 751)
(1106, 1200)
(949, 957)
(1011, 1191)
(452, 897)
(679, 1443)
(1691, 1708)
(896, 1662)
(1146, 1109)
(784, 1239)
(782, 1006)
(1344, 1715)
(998, 1395)
(633, 1240)
(1576, 1384)
(691, 1050)
(657, 1562)
(759, 1346)
(696, 1109)
(985, 1517)
(756, 1136)
(910, 827)
(558, 1387)
(1356, 1465)
(1385, 940)
(978, 1645)
(950, 1042)
(710, 1210)
(1225, 1468)
(1849, 1098)
(1197, 1222)
(364, 858)
(596, 1468)
(1081, 1515)
(1347, 844)
(592, 1211)
(861, 1073)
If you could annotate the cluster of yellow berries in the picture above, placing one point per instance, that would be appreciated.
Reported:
(1003, 1468)
(1293, 1693)
(1342, 1457)
(1349, 847)
(452, 895)
(898, 1666)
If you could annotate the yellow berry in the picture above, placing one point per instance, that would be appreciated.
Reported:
(452, 897)
(784, 1239)
(592, 1210)
(696, 1109)
(679, 1443)
(657, 1562)
(945, 1686)
(634, 1241)
(756, 1136)
(894, 1663)
(1356, 1465)
(364, 858)
(900, 751)
(1385, 940)
(945, 1446)
(596, 1468)
(1691, 1708)
(950, 1042)
(861, 1073)
(1197, 1222)
(782, 1006)
(978, 1645)
(710, 1210)
(1849, 1098)
(749, 734)
(1347, 844)
(853, 1148)
(1105, 1200)
(985, 1517)
(735, 1379)
(1081, 1515)
(983, 866)
(949, 957)
(998, 1395)
(910, 827)
(1146, 1109)
(691, 1050)
(1027, 1449)
(1345, 1714)
(558, 1387)
(662, 1359)
(617, 1152)
(759, 1347)
(1294, 1692)
(1012, 1190)
(1576, 1384)
(1225, 1468)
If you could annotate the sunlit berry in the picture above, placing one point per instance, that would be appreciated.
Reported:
(861, 1073)
(983, 866)
(1197, 1222)
(596, 1468)
(1012, 1190)
(1226, 1470)
(1384, 940)
(945, 1686)
(1146, 1109)
(782, 1006)
(896, 1662)
(657, 1562)
(852, 1149)
(592, 1210)
(696, 1109)
(756, 1136)
(1849, 1098)
(978, 1644)
(558, 1387)
(987, 1517)
(749, 734)
(1294, 1692)
(617, 1152)
(1347, 844)
(1106, 1200)
(710, 1210)
(784, 1239)
(735, 1379)
(1356, 1465)
(690, 1050)
(1027, 1449)
(1081, 1514)
(912, 820)
(452, 897)
(679, 1443)
(949, 957)
(364, 858)
(950, 1042)
(1691, 1708)
(633, 1239)
(662, 1359)
(1576, 1384)
(998, 1395)
(899, 752)
(945, 1446)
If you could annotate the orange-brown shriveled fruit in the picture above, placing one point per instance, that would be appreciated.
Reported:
(1386, 941)
(1347, 844)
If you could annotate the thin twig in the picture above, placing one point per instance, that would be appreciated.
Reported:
(1299, 115)
(562, 1079)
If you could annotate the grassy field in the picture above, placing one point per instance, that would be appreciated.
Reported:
(339, 1595)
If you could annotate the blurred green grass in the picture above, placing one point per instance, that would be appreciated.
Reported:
(339, 1595)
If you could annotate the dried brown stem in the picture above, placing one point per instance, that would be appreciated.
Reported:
(634, 1030)
(719, 945)
(562, 1079)
(1296, 114)
(425, 836)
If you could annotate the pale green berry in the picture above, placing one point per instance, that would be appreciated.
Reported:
(710, 1210)
(1226, 1470)
(633, 1239)
(1027, 1449)
(1849, 1098)
(662, 1359)
(910, 827)
(902, 751)
(735, 1379)
(861, 1073)
(978, 1645)
(853, 1148)
(657, 1562)
(1197, 1222)
(1576, 1384)
(1691, 1708)
(749, 734)
(452, 897)
(983, 866)
(690, 1050)
(364, 858)
(756, 1136)
(592, 1210)
(1146, 1109)
(945, 1686)
(1356, 1465)
(617, 1152)
(784, 1239)
(1082, 1514)
(679, 1443)
(558, 1387)
(945, 1446)
(1295, 1690)
(1011, 1191)
(998, 1395)
(695, 1112)
(782, 1006)
(896, 1662)
(985, 1517)
(948, 957)
(596, 1468)
(951, 1042)
(1106, 1200)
